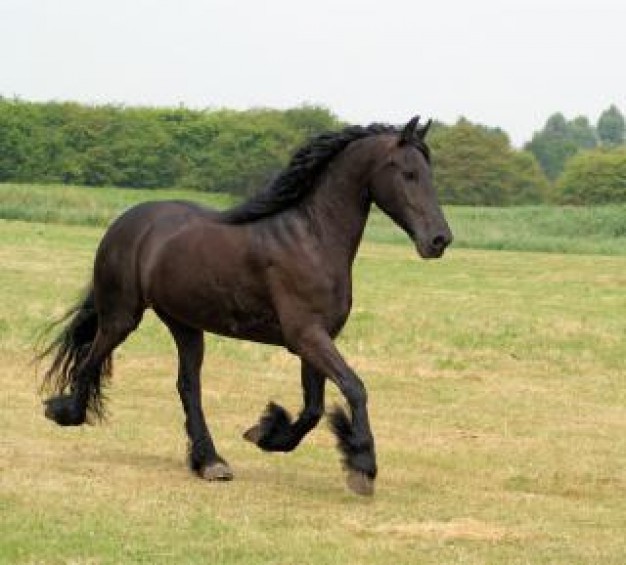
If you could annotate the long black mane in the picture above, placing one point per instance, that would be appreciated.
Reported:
(302, 172)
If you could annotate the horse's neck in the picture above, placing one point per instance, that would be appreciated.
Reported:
(340, 204)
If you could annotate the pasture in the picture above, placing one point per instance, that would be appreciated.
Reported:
(497, 388)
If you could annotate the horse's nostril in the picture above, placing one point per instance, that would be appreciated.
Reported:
(440, 242)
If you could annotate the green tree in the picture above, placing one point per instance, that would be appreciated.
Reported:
(310, 120)
(582, 133)
(526, 182)
(13, 140)
(477, 165)
(611, 126)
(559, 140)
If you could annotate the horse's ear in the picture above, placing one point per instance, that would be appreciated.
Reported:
(408, 132)
(421, 132)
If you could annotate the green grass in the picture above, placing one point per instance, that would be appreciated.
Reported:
(88, 206)
(557, 229)
(497, 396)
(585, 230)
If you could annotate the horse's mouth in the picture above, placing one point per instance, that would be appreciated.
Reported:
(429, 252)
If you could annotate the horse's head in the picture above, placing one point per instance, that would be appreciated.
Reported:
(402, 187)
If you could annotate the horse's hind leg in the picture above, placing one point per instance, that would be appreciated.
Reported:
(203, 458)
(88, 375)
(276, 431)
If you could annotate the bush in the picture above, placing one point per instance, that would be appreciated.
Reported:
(594, 177)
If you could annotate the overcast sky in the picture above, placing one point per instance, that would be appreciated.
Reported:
(501, 63)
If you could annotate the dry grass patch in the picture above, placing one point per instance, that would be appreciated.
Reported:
(461, 529)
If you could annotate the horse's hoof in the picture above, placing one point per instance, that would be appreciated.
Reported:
(360, 483)
(253, 435)
(61, 410)
(218, 471)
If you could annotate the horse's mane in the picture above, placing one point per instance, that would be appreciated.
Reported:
(299, 177)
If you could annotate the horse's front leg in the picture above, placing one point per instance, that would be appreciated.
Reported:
(355, 439)
(276, 431)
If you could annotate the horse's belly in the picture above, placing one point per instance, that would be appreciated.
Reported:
(228, 312)
(248, 323)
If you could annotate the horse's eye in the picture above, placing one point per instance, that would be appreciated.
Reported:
(408, 175)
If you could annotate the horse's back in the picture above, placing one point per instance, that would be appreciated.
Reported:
(140, 215)
(158, 216)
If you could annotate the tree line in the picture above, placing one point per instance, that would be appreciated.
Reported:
(584, 163)
(238, 151)
(224, 151)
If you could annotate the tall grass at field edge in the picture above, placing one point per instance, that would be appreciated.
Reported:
(560, 229)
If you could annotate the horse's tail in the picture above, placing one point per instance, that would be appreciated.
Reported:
(69, 350)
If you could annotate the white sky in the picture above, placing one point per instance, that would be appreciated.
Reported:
(502, 63)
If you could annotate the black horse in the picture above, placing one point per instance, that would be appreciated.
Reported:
(275, 269)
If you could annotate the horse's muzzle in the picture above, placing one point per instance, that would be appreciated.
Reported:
(434, 248)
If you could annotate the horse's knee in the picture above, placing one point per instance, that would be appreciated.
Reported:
(354, 390)
(122, 327)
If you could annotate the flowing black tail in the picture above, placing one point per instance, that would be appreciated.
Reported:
(77, 388)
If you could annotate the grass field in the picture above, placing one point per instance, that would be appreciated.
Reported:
(497, 395)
